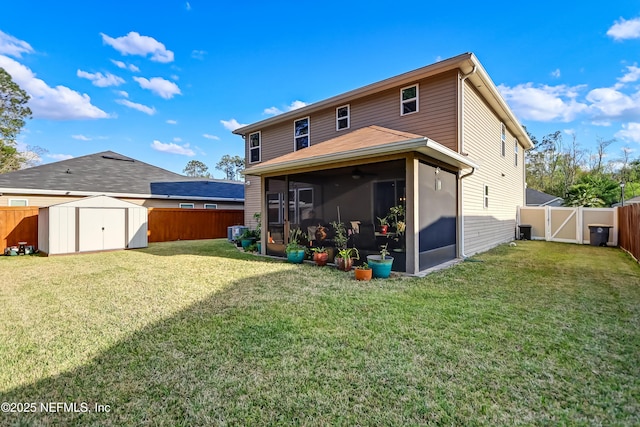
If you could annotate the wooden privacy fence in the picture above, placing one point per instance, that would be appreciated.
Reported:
(169, 224)
(629, 223)
(18, 224)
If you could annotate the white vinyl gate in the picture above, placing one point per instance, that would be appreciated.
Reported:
(569, 225)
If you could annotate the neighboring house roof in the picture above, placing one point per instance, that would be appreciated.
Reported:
(116, 175)
(631, 201)
(538, 198)
(364, 142)
(467, 63)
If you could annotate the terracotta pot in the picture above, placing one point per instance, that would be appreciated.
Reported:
(384, 229)
(321, 258)
(361, 274)
(344, 264)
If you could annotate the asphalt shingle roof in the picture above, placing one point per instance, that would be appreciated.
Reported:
(111, 172)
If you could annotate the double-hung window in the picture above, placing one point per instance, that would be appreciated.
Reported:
(409, 100)
(254, 147)
(343, 117)
(503, 139)
(301, 133)
(515, 153)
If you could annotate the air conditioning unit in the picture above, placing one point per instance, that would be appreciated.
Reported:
(234, 232)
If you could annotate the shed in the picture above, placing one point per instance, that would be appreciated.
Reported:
(96, 223)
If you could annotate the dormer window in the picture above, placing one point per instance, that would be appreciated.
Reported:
(301, 133)
(408, 100)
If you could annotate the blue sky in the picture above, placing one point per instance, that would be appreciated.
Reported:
(165, 82)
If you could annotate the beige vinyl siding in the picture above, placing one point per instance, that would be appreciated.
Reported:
(486, 228)
(436, 118)
(43, 201)
(252, 194)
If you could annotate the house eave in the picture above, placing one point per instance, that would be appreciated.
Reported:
(42, 192)
(422, 145)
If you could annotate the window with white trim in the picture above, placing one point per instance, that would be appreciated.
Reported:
(210, 206)
(18, 202)
(408, 100)
(485, 196)
(301, 133)
(503, 139)
(343, 117)
(515, 153)
(254, 147)
(187, 205)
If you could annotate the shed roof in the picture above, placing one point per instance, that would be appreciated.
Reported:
(112, 173)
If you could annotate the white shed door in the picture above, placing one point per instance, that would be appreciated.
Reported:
(101, 229)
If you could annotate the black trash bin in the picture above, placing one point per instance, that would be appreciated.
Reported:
(525, 231)
(599, 234)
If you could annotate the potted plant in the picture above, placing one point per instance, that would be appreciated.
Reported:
(381, 264)
(363, 272)
(384, 224)
(343, 259)
(320, 255)
(247, 238)
(397, 221)
(295, 251)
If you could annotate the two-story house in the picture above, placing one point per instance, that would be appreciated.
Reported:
(438, 141)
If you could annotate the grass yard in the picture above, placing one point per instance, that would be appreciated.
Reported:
(197, 333)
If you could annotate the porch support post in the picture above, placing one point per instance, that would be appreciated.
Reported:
(412, 216)
(264, 238)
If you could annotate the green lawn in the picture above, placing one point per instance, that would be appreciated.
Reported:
(197, 333)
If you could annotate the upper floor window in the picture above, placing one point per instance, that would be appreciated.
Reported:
(515, 153)
(254, 147)
(211, 206)
(301, 133)
(343, 117)
(503, 139)
(485, 196)
(408, 100)
(187, 205)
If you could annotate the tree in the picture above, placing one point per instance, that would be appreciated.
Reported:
(231, 166)
(13, 113)
(196, 168)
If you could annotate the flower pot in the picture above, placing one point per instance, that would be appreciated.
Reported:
(321, 258)
(361, 274)
(344, 264)
(259, 247)
(296, 256)
(381, 267)
(247, 242)
(384, 229)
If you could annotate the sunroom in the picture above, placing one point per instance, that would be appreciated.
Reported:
(357, 179)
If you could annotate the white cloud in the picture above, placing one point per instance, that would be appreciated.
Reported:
(143, 108)
(81, 137)
(231, 124)
(135, 44)
(172, 148)
(544, 103)
(632, 75)
(630, 131)
(12, 46)
(124, 66)
(122, 93)
(177, 139)
(101, 80)
(172, 122)
(609, 103)
(59, 157)
(198, 54)
(208, 136)
(623, 29)
(161, 87)
(293, 106)
(55, 103)
(556, 73)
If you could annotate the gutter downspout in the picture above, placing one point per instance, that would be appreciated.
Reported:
(461, 151)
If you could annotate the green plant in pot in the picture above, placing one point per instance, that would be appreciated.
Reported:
(344, 258)
(384, 224)
(381, 264)
(320, 255)
(247, 238)
(295, 251)
(363, 272)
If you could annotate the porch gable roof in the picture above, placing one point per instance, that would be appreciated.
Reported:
(365, 142)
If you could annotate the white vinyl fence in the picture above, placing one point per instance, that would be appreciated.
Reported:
(569, 225)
